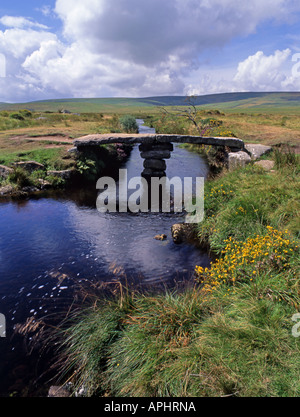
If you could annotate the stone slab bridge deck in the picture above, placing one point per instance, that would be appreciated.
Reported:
(155, 148)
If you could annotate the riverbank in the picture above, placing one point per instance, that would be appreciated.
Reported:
(233, 332)
(54, 169)
(36, 152)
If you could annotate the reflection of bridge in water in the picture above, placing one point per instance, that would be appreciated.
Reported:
(155, 148)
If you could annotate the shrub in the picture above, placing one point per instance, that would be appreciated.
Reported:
(17, 116)
(243, 261)
(26, 113)
(129, 124)
(285, 157)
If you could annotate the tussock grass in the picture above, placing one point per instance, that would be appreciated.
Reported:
(187, 345)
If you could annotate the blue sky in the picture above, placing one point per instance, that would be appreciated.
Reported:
(138, 48)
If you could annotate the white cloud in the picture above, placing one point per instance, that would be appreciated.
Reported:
(258, 72)
(150, 31)
(77, 71)
(20, 22)
(18, 43)
(46, 10)
(263, 73)
(139, 48)
(15, 45)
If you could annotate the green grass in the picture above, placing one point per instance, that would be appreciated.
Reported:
(229, 334)
(181, 345)
(51, 157)
(97, 105)
(231, 102)
(243, 202)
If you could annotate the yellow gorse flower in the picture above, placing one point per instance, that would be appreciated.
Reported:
(244, 260)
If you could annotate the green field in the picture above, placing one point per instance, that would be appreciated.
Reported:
(231, 102)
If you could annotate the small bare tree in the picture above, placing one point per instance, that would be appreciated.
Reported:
(191, 113)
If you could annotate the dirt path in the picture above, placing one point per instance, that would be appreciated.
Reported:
(49, 138)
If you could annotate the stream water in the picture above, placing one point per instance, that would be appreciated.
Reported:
(51, 243)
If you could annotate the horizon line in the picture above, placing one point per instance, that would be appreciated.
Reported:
(148, 97)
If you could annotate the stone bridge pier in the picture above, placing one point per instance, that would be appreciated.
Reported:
(154, 156)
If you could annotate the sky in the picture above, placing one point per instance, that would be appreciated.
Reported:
(140, 48)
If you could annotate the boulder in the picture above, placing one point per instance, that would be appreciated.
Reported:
(58, 391)
(44, 184)
(29, 189)
(5, 171)
(160, 237)
(65, 174)
(6, 190)
(266, 164)
(73, 151)
(183, 232)
(237, 159)
(256, 151)
(30, 166)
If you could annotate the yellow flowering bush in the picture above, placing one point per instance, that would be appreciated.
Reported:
(244, 260)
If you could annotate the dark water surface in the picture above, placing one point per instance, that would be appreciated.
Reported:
(50, 244)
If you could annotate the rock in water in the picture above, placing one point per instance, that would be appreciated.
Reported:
(183, 232)
(160, 237)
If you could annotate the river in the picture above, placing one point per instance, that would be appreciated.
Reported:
(51, 244)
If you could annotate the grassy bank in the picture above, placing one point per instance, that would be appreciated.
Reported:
(229, 334)
(46, 140)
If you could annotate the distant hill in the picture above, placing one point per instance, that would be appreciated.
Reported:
(231, 102)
